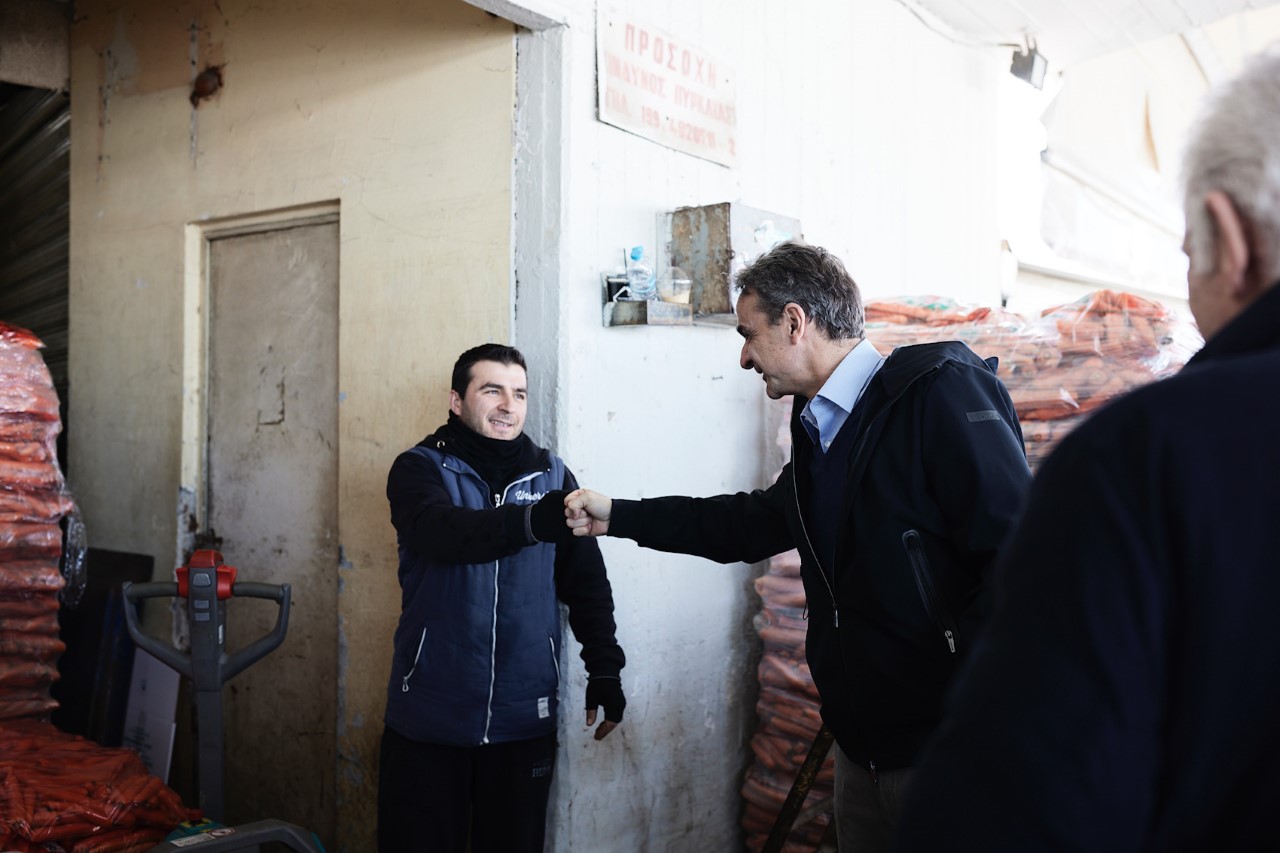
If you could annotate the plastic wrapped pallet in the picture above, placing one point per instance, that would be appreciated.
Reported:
(1088, 352)
(57, 791)
(33, 503)
(1059, 366)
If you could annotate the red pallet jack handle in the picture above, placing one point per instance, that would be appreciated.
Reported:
(226, 575)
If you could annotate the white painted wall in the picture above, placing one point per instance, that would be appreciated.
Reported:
(880, 137)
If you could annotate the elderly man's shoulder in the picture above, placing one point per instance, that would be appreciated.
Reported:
(1241, 379)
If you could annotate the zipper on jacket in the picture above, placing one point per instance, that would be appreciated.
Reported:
(924, 585)
(875, 778)
(498, 500)
(493, 656)
(795, 491)
(404, 684)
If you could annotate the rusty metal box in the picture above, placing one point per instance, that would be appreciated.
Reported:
(712, 242)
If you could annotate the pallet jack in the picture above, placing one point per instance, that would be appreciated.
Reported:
(207, 584)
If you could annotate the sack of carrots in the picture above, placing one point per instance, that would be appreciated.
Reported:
(787, 709)
(1108, 343)
(907, 320)
(60, 789)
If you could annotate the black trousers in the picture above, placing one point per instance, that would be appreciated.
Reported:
(433, 797)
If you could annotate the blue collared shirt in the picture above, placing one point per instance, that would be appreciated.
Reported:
(835, 401)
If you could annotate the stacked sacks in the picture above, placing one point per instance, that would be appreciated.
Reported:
(787, 708)
(1058, 367)
(1088, 352)
(33, 501)
(57, 791)
(788, 715)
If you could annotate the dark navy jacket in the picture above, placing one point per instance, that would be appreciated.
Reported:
(935, 478)
(1127, 693)
(477, 657)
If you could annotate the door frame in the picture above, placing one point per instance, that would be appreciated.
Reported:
(539, 188)
(192, 499)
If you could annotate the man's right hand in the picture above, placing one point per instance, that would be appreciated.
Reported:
(588, 512)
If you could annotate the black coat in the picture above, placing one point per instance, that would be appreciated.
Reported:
(1127, 693)
(936, 476)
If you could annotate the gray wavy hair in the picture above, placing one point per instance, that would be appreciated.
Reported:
(811, 277)
(1235, 148)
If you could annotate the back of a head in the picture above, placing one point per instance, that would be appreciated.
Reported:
(500, 353)
(811, 277)
(1235, 148)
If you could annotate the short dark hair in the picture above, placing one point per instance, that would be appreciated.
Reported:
(500, 353)
(811, 277)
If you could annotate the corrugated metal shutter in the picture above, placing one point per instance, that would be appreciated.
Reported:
(35, 144)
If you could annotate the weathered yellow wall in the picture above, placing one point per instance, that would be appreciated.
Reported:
(401, 113)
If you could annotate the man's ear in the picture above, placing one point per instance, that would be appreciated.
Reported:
(795, 320)
(455, 402)
(1231, 249)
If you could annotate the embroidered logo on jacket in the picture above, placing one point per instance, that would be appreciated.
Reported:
(522, 495)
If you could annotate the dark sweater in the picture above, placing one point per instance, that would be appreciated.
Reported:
(828, 479)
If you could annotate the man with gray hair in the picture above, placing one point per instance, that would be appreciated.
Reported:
(1127, 691)
(905, 475)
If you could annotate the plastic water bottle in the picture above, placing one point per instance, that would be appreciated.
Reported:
(640, 280)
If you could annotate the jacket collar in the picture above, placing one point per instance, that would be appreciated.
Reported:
(907, 364)
(1255, 328)
(531, 458)
(903, 366)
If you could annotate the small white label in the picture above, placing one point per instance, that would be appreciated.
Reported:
(544, 708)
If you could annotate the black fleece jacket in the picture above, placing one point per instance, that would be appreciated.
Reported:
(936, 476)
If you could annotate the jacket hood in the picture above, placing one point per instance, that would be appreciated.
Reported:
(906, 364)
